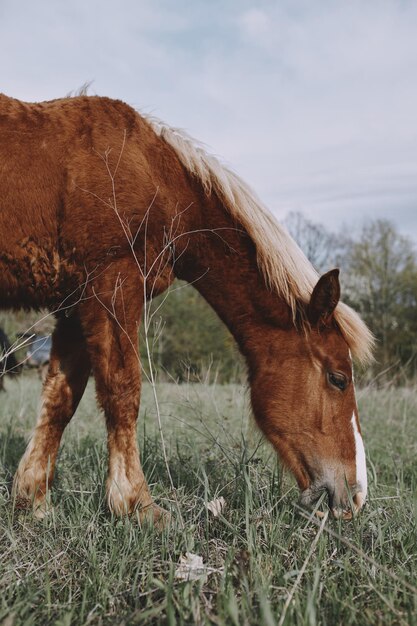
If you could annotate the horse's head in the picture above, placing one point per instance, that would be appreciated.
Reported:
(304, 400)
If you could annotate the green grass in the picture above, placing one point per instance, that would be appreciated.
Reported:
(81, 566)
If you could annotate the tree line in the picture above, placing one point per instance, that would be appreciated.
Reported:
(379, 280)
(378, 266)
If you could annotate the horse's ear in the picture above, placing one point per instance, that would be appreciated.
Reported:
(324, 299)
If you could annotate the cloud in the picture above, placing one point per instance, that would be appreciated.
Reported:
(313, 103)
(255, 24)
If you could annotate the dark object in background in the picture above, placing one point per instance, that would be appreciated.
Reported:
(8, 364)
(38, 353)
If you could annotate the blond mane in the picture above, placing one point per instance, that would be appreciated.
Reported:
(285, 267)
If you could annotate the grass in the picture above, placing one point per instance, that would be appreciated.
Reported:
(81, 566)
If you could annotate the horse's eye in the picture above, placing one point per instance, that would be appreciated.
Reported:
(337, 380)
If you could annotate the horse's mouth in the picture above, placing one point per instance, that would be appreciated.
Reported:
(344, 504)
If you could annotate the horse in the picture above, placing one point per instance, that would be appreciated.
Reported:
(8, 363)
(101, 208)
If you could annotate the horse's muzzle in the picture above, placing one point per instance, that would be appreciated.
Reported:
(344, 501)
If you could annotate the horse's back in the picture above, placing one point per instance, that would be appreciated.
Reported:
(70, 169)
(51, 150)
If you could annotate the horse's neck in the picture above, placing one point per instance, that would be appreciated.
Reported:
(219, 259)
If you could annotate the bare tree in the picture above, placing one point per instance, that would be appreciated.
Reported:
(317, 243)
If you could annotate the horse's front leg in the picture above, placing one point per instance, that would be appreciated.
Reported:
(67, 376)
(112, 336)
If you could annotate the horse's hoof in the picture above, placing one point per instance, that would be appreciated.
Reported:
(154, 515)
(40, 508)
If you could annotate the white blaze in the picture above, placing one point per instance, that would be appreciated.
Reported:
(361, 477)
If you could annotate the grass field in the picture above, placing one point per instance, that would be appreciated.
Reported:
(270, 563)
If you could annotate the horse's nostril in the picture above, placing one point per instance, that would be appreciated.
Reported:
(312, 498)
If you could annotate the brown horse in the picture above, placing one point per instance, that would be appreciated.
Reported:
(100, 209)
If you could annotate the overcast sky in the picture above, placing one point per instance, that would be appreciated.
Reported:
(312, 102)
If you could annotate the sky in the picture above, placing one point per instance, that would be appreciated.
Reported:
(313, 102)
